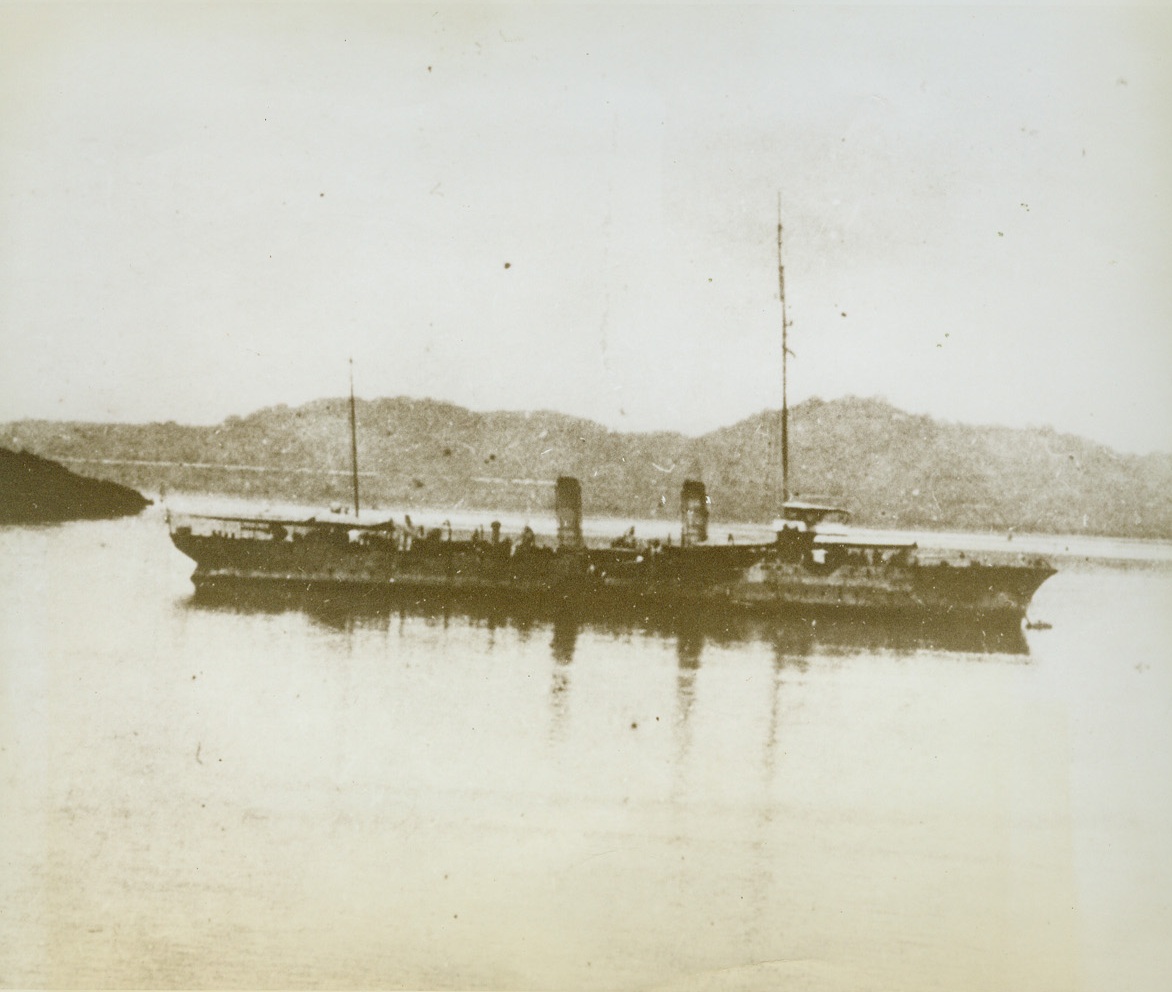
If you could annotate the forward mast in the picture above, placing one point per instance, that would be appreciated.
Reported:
(785, 352)
(353, 441)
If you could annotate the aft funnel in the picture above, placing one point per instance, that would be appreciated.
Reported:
(693, 513)
(568, 507)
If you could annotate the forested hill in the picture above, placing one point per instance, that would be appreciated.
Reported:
(890, 468)
(36, 490)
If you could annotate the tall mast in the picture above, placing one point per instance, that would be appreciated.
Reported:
(784, 360)
(353, 441)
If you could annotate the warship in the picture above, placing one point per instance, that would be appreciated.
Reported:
(813, 566)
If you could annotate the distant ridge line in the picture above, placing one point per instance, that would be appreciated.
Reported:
(212, 465)
(892, 469)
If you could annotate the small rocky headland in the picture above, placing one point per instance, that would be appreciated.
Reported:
(37, 490)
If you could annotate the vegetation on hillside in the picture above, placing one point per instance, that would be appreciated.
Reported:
(892, 469)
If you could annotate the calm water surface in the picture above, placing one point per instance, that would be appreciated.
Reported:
(196, 794)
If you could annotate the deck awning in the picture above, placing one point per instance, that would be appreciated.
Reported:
(797, 515)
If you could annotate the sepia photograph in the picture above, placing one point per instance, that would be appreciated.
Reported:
(559, 496)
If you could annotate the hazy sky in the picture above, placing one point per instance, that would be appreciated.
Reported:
(208, 209)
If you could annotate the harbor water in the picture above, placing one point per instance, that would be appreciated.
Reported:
(298, 794)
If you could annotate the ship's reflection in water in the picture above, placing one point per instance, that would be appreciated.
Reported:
(792, 643)
(792, 639)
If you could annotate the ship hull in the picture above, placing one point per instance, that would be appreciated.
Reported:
(973, 592)
(734, 578)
